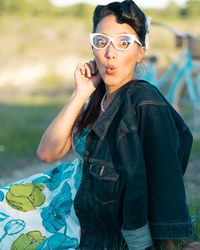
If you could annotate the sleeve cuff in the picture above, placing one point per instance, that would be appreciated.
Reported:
(138, 239)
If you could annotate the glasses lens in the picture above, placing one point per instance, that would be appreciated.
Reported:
(123, 42)
(100, 41)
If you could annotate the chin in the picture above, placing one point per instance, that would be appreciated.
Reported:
(110, 80)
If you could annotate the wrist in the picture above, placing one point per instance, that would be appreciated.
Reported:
(81, 95)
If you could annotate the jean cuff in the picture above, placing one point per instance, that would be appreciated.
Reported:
(171, 230)
(138, 239)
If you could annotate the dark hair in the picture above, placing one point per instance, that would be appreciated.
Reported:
(90, 112)
(125, 12)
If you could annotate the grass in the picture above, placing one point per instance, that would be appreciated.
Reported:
(195, 150)
(22, 123)
(195, 213)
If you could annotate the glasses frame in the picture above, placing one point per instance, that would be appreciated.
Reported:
(112, 39)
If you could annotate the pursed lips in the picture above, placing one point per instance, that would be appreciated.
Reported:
(110, 69)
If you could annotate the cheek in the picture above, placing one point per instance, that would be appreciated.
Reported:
(129, 60)
(97, 54)
(99, 58)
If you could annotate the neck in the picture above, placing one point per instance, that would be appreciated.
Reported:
(108, 98)
(110, 93)
(111, 90)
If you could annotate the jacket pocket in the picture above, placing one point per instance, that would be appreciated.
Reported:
(103, 180)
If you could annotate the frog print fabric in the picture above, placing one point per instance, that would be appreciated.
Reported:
(37, 213)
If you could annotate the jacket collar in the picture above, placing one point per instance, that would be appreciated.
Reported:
(101, 126)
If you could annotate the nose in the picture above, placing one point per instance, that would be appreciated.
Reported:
(111, 52)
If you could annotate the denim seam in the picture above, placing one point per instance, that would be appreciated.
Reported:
(124, 125)
(166, 231)
(133, 130)
(125, 130)
(170, 224)
(152, 102)
(95, 161)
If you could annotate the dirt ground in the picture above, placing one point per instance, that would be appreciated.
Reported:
(23, 169)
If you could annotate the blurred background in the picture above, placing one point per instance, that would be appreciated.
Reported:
(41, 42)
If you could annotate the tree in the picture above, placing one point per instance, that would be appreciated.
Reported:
(2, 5)
(14, 6)
(192, 8)
(173, 9)
(26, 6)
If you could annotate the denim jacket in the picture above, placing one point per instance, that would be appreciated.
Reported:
(134, 159)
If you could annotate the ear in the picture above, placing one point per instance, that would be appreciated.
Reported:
(141, 53)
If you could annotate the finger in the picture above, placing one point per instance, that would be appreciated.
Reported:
(88, 70)
(81, 68)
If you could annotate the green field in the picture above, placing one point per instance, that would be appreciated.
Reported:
(22, 124)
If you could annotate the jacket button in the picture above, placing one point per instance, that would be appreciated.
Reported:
(86, 153)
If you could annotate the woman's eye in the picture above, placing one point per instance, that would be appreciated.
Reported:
(124, 43)
(100, 42)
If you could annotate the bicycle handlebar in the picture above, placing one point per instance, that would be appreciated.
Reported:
(193, 42)
(179, 36)
(170, 28)
(184, 35)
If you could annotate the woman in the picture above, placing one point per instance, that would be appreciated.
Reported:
(137, 146)
(130, 148)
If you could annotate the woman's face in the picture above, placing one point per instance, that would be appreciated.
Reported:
(116, 67)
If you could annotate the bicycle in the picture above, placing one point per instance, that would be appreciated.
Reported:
(180, 83)
(189, 71)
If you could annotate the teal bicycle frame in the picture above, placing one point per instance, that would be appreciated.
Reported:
(180, 70)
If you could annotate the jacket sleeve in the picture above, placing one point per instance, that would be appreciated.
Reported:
(135, 227)
(168, 214)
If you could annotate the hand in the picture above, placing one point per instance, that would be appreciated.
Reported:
(87, 78)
